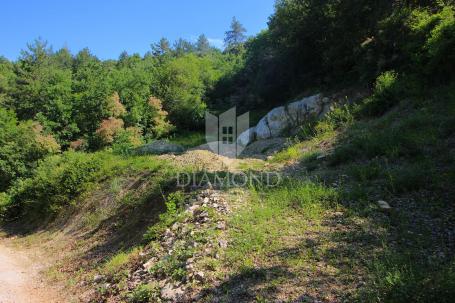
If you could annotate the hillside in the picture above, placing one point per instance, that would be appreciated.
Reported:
(319, 236)
(352, 202)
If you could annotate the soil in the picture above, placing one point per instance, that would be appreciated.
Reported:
(21, 280)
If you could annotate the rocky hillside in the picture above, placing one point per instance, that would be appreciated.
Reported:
(363, 213)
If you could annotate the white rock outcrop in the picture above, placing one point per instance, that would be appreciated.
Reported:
(263, 130)
(246, 137)
(286, 118)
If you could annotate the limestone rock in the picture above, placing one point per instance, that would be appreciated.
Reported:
(159, 147)
(383, 205)
(150, 263)
(98, 278)
(246, 137)
(199, 276)
(223, 243)
(286, 118)
(263, 130)
(278, 121)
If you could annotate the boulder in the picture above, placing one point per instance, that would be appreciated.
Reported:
(300, 111)
(159, 147)
(278, 121)
(286, 118)
(263, 130)
(246, 137)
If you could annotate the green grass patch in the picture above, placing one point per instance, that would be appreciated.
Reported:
(188, 139)
(259, 227)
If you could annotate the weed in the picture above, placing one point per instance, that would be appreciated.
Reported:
(145, 293)
(174, 202)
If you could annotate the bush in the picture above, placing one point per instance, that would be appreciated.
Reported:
(436, 32)
(78, 145)
(174, 202)
(386, 94)
(22, 144)
(56, 182)
(126, 140)
(145, 293)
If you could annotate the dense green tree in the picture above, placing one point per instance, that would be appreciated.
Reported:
(22, 144)
(43, 88)
(182, 46)
(91, 88)
(7, 80)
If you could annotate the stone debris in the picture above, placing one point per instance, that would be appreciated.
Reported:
(98, 278)
(171, 293)
(201, 212)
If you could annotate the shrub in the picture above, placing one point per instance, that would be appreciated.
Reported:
(22, 144)
(56, 182)
(173, 202)
(436, 32)
(78, 145)
(5, 201)
(340, 116)
(126, 140)
(386, 94)
(145, 293)
(46, 143)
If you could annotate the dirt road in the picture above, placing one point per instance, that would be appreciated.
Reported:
(20, 281)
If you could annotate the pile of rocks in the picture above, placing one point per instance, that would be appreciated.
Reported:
(205, 211)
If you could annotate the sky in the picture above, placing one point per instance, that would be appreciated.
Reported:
(108, 27)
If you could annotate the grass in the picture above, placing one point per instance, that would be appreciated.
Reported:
(260, 226)
(116, 263)
(188, 139)
(403, 157)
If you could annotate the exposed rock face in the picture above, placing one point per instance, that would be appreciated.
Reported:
(261, 149)
(246, 137)
(158, 148)
(263, 129)
(286, 118)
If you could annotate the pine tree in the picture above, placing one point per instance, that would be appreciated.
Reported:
(161, 48)
(202, 45)
(235, 37)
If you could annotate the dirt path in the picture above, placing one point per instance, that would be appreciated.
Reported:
(20, 281)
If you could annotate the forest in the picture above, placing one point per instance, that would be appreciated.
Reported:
(77, 101)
